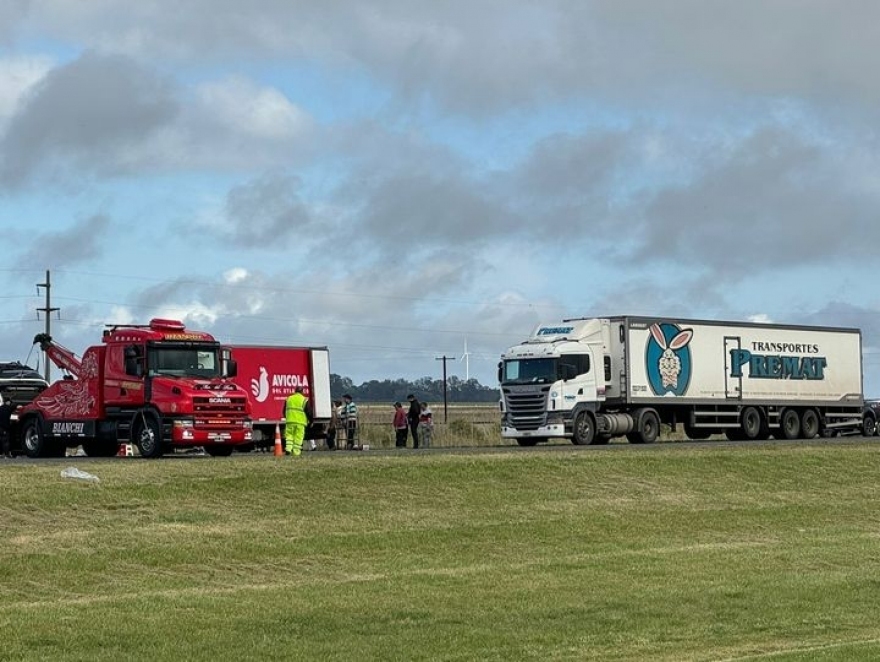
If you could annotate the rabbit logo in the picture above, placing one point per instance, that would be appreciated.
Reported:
(260, 388)
(668, 359)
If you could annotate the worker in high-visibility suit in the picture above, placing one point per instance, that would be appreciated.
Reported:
(295, 421)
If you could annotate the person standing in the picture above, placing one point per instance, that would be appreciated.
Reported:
(400, 426)
(332, 426)
(412, 416)
(295, 421)
(426, 425)
(350, 416)
(6, 410)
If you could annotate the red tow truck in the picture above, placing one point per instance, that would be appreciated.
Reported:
(156, 386)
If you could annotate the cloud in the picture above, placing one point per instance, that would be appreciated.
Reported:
(12, 12)
(266, 213)
(233, 124)
(79, 244)
(85, 115)
(773, 200)
(480, 58)
(247, 107)
(108, 116)
(17, 76)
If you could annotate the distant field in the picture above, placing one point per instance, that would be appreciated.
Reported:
(623, 553)
(463, 424)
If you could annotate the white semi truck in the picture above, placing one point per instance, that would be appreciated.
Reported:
(590, 380)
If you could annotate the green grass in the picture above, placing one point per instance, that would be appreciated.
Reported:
(667, 553)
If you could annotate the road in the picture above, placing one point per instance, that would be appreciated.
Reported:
(542, 448)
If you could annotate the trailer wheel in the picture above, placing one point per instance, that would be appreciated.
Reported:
(810, 424)
(584, 429)
(750, 423)
(648, 428)
(790, 424)
(147, 435)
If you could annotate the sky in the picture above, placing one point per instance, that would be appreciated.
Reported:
(410, 179)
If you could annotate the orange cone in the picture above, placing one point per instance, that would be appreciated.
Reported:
(278, 448)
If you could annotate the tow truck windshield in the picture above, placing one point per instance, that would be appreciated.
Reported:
(202, 361)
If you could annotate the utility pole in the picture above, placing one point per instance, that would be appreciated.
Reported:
(444, 358)
(48, 310)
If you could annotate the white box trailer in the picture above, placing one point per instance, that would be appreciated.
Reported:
(593, 379)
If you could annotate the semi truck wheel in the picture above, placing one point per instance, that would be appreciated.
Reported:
(790, 424)
(584, 429)
(810, 424)
(147, 435)
(750, 423)
(648, 428)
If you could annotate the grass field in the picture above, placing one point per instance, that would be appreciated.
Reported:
(661, 553)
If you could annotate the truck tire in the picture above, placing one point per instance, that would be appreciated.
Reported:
(584, 432)
(809, 424)
(869, 426)
(648, 428)
(790, 424)
(32, 440)
(750, 423)
(146, 434)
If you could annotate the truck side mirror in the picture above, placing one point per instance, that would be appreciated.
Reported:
(499, 371)
(231, 368)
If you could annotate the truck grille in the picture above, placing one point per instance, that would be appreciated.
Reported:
(526, 410)
(212, 411)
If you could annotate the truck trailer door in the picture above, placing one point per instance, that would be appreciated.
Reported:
(732, 385)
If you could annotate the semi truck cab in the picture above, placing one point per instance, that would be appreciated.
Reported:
(546, 380)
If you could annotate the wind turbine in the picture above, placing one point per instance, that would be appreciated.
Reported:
(466, 357)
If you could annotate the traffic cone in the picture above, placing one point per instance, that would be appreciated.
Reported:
(279, 450)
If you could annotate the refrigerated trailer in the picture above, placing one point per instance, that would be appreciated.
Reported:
(593, 379)
(270, 373)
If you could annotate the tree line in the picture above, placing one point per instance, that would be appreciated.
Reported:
(425, 389)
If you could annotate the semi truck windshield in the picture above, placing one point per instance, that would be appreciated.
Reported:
(525, 371)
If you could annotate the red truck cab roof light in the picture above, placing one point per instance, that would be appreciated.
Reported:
(160, 324)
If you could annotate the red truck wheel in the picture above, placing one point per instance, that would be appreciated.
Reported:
(147, 435)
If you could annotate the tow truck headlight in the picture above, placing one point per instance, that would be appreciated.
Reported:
(184, 428)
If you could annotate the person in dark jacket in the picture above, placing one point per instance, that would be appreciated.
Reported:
(412, 417)
(6, 410)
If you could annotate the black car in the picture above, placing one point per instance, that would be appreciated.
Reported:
(870, 416)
